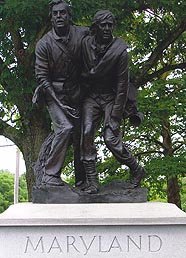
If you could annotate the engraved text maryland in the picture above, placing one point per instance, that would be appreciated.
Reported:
(96, 243)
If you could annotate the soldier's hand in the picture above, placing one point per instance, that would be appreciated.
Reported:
(72, 112)
(75, 113)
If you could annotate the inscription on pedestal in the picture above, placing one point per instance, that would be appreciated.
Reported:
(97, 243)
(149, 230)
(93, 242)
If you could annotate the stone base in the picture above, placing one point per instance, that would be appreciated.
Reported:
(148, 230)
(115, 192)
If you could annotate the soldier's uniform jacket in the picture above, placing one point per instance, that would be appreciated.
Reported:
(106, 71)
(58, 62)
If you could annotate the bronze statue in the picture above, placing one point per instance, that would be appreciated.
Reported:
(106, 75)
(57, 70)
(68, 58)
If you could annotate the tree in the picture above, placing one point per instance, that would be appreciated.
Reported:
(163, 134)
(154, 31)
(7, 189)
(20, 122)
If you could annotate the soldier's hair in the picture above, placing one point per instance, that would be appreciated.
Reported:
(101, 16)
(56, 2)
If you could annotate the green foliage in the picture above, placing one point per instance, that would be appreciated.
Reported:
(7, 189)
(157, 56)
(169, 166)
(110, 170)
(159, 169)
(183, 194)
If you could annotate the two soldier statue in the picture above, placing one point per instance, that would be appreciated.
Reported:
(83, 75)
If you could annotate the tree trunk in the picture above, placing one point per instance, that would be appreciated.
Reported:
(173, 190)
(35, 133)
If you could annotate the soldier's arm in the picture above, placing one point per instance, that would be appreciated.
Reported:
(42, 64)
(122, 86)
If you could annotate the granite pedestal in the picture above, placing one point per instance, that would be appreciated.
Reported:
(137, 230)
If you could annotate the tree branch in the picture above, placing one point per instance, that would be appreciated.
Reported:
(18, 44)
(3, 67)
(158, 73)
(157, 53)
(178, 147)
(147, 152)
(11, 133)
(146, 137)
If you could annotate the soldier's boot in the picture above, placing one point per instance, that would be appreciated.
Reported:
(137, 175)
(137, 172)
(92, 177)
(52, 180)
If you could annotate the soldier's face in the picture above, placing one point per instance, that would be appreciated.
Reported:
(105, 29)
(60, 17)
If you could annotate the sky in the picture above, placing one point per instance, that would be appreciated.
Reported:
(8, 156)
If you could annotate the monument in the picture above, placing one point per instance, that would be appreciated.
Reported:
(148, 230)
(87, 220)
(102, 84)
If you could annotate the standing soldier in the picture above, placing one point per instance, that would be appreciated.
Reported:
(57, 71)
(105, 73)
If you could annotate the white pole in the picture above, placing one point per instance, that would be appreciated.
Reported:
(16, 178)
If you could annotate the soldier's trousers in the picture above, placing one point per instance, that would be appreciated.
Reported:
(95, 109)
(67, 130)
